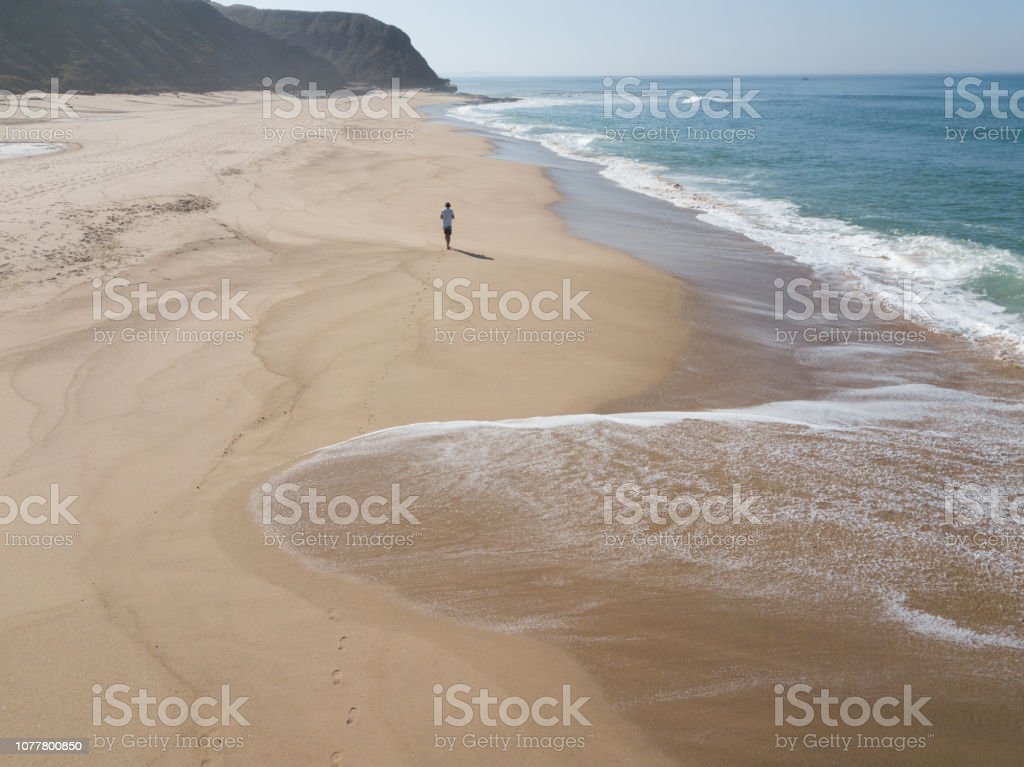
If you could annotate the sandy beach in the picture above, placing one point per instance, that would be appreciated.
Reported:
(164, 583)
(318, 244)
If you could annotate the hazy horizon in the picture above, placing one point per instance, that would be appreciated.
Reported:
(943, 73)
(806, 38)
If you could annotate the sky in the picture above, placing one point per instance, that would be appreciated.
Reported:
(683, 37)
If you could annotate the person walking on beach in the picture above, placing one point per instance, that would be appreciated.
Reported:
(447, 216)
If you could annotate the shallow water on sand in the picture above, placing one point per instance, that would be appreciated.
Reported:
(849, 543)
(12, 151)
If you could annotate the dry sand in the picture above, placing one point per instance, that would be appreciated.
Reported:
(166, 584)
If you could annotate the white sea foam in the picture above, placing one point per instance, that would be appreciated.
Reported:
(850, 497)
(938, 269)
(855, 408)
(937, 627)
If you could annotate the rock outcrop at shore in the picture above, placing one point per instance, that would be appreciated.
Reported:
(145, 46)
(364, 50)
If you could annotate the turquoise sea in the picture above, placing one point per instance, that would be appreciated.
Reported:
(865, 175)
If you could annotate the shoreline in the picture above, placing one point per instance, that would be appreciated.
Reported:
(820, 236)
(944, 363)
(733, 290)
(182, 589)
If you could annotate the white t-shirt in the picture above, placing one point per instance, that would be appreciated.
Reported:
(446, 216)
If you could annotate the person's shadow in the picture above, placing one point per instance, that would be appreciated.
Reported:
(473, 255)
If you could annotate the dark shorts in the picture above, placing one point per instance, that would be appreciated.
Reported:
(447, 229)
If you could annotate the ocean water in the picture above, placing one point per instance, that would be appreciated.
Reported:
(884, 478)
(866, 175)
(853, 542)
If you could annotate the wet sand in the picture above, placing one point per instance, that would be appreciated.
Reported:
(855, 582)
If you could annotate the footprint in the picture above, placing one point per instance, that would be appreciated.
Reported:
(341, 643)
(336, 759)
(336, 677)
(353, 714)
(332, 614)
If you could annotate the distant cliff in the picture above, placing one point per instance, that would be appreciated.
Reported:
(364, 50)
(138, 46)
